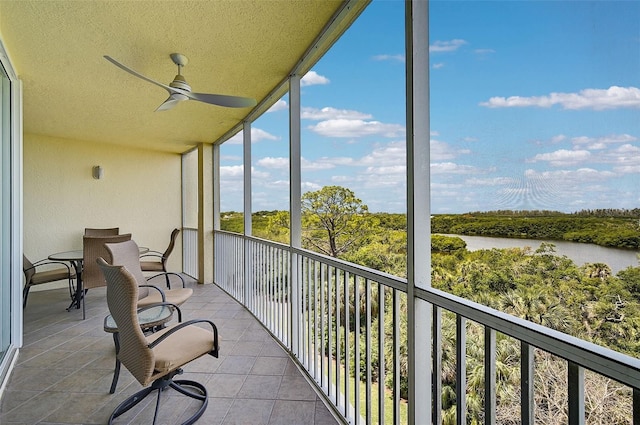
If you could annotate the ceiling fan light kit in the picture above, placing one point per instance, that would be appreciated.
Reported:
(179, 90)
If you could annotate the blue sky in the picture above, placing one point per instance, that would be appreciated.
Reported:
(534, 105)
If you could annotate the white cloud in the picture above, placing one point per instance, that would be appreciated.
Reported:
(341, 179)
(278, 106)
(447, 46)
(310, 186)
(312, 78)
(397, 170)
(324, 163)
(388, 155)
(438, 65)
(625, 159)
(493, 181)
(453, 168)
(257, 135)
(328, 113)
(356, 128)
(397, 58)
(235, 172)
(569, 177)
(628, 169)
(279, 183)
(441, 151)
(597, 99)
(563, 157)
(280, 163)
(388, 178)
(446, 186)
(231, 172)
(629, 149)
(602, 142)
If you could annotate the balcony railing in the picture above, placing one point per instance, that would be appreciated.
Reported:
(350, 348)
(190, 251)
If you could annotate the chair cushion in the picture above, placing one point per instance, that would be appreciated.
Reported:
(185, 345)
(176, 296)
(51, 276)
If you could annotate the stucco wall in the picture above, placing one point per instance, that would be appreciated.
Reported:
(140, 193)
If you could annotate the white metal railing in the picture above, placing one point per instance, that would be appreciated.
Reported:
(190, 252)
(328, 323)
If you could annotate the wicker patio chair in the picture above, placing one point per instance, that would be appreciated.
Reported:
(127, 254)
(155, 359)
(156, 261)
(93, 248)
(33, 277)
(88, 231)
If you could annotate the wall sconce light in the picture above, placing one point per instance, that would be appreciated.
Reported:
(98, 172)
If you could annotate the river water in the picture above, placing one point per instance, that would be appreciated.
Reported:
(581, 253)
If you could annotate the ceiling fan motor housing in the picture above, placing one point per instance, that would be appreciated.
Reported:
(180, 83)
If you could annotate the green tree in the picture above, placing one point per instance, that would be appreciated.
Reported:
(278, 227)
(333, 220)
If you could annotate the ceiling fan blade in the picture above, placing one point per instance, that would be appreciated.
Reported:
(222, 100)
(179, 90)
(137, 74)
(170, 103)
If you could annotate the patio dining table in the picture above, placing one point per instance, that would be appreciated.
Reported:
(76, 257)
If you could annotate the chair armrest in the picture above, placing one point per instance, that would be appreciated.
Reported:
(179, 326)
(168, 304)
(168, 274)
(164, 298)
(152, 254)
(47, 262)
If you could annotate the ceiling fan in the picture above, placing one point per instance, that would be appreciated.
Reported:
(179, 90)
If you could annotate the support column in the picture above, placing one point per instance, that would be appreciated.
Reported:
(295, 210)
(248, 219)
(246, 162)
(420, 318)
(216, 201)
(205, 213)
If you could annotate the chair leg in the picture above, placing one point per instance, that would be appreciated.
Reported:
(161, 385)
(166, 276)
(116, 371)
(130, 403)
(25, 294)
(180, 387)
(71, 288)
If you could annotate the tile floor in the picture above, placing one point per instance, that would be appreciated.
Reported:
(65, 367)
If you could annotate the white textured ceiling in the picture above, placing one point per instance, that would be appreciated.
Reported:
(235, 47)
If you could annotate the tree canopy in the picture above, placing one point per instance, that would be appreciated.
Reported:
(333, 220)
(535, 284)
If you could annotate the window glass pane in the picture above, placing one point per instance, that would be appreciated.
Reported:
(353, 143)
(5, 224)
(535, 146)
(231, 184)
(270, 171)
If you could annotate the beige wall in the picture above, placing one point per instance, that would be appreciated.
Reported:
(140, 193)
